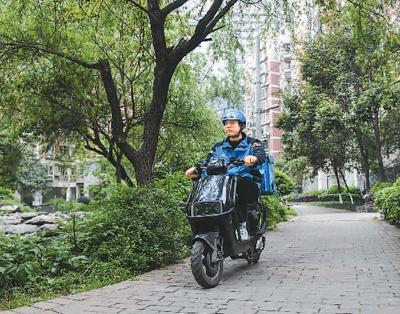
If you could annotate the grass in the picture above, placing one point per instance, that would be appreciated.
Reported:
(68, 284)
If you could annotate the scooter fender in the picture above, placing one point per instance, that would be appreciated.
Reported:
(210, 238)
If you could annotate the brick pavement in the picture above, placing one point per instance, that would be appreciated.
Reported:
(322, 261)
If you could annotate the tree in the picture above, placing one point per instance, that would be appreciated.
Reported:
(11, 153)
(349, 73)
(313, 129)
(85, 34)
(31, 176)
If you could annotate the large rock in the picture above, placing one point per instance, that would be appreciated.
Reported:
(47, 228)
(42, 219)
(28, 215)
(18, 229)
(9, 208)
(10, 220)
(62, 215)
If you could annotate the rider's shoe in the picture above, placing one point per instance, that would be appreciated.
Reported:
(244, 235)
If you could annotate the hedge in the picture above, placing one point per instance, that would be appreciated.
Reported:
(387, 201)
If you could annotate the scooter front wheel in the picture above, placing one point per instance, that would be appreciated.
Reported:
(206, 272)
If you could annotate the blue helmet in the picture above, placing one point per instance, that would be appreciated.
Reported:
(234, 114)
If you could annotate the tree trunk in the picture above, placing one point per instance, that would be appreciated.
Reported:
(100, 149)
(364, 158)
(347, 187)
(118, 172)
(377, 133)
(335, 170)
(152, 123)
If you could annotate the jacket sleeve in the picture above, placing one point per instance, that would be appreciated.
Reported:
(258, 151)
(212, 154)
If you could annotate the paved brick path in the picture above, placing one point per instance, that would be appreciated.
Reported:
(323, 261)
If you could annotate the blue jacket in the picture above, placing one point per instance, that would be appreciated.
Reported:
(248, 146)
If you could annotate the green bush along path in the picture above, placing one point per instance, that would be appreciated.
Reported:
(322, 261)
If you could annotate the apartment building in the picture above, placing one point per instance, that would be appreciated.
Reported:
(68, 177)
(278, 70)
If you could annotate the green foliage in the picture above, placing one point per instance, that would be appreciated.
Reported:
(130, 231)
(335, 190)
(67, 206)
(277, 211)
(326, 197)
(27, 261)
(60, 90)
(139, 229)
(387, 202)
(6, 194)
(378, 186)
(189, 127)
(10, 151)
(31, 175)
(346, 114)
(296, 168)
(313, 192)
(283, 181)
(329, 195)
(174, 183)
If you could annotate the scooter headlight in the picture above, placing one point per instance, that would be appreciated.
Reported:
(207, 208)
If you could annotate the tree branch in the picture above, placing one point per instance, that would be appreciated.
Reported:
(157, 21)
(204, 27)
(210, 27)
(138, 5)
(173, 6)
(37, 48)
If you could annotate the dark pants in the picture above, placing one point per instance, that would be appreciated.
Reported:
(248, 192)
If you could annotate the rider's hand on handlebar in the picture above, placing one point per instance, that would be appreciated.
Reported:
(250, 161)
(192, 173)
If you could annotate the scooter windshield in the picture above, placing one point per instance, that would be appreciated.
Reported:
(212, 188)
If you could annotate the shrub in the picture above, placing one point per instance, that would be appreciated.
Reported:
(84, 200)
(378, 186)
(387, 201)
(277, 211)
(67, 206)
(335, 190)
(302, 198)
(314, 192)
(6, 194)
(335, 197)
(140, 228)
(176, 183)
(284, 183)
(25, 261)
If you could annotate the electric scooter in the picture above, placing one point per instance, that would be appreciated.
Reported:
(212, 209)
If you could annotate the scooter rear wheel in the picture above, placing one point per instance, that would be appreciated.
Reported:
(253, 256)
(206, 273)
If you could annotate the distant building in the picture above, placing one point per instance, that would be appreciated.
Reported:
(276, 75)
(67, 177)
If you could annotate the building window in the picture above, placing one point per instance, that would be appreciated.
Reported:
(286, 47)
(286, 64)
(263, 92)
